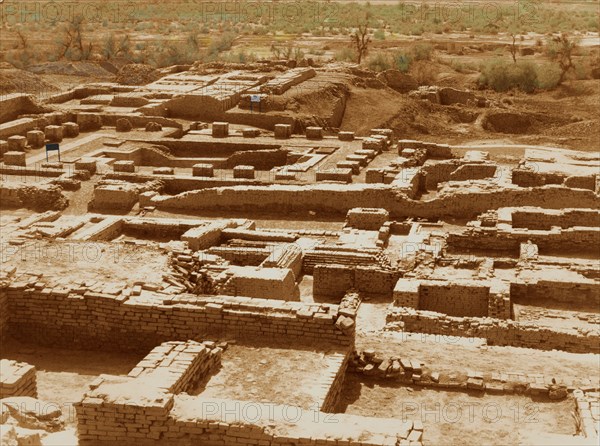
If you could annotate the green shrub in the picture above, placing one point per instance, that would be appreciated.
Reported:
(379, 34)
(345, 55)
(422, 51)
(378, 62)
(502, 75)
(548, 76)
(402, 61)
(222, 43)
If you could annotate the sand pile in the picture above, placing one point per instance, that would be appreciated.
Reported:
(14, 80)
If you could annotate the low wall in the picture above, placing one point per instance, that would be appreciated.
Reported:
(81, 318)
(17, 379)
(177, 184)
(463, 298)
(338, 200)
(497, 332)
(543, 219)
(3, 312)
(577, 294)
(181, 420)
(336, 280)
(16, 104)
(41, 197)
(576, 239)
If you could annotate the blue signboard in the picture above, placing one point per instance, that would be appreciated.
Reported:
(52, 147)
(255, 99)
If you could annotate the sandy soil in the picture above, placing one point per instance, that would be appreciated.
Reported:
(264, 374)
(63, 375)
(459, 418)
(450, 354)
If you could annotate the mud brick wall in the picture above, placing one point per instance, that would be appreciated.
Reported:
(367, 218)
(454, 299)
(566, 240)
(285, 81)
(586, 411)
(16, 104)
(338, 200)
(17, 379)
(497, 332)
(80, 318)
(581, 295)
(286, 255)
(335, 280)
(335, 381)
(4, 309)
(241, 256)
(337, 256)
(473, 171)
(179, 365)
(182, 420)
(259, 159)
(544, 219)
(41, 197)
(263, 283)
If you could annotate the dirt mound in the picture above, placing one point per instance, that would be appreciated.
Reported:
(225, 67)
(137, 74)
(398, 81)
(591, 128)
(13, 80)
(83, 69)
(507, 122)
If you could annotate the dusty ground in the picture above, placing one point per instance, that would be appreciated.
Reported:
(264, 374)
(94, 262)
(63, 375)
(451, 354)
(451, 418)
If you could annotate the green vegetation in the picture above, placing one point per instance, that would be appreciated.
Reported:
(400, 60)
(502, 75)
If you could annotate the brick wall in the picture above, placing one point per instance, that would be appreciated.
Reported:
(4, 309)
(56, 316)
(335, 199)
(17, 379)
(497, 332)
(181, 420)
(335, 280)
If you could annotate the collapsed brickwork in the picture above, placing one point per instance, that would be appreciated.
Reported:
(496, 332)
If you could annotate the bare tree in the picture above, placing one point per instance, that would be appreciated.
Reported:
(513, 47)
(562, 49)
(72, 40)
(24, 41)
(361, 38)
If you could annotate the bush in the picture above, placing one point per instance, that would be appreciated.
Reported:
(345, 55)
(379, 62)
(221, 44)
(422, 51)
(379, 34)
(501, 75)
(548, 76)
(402, 61)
